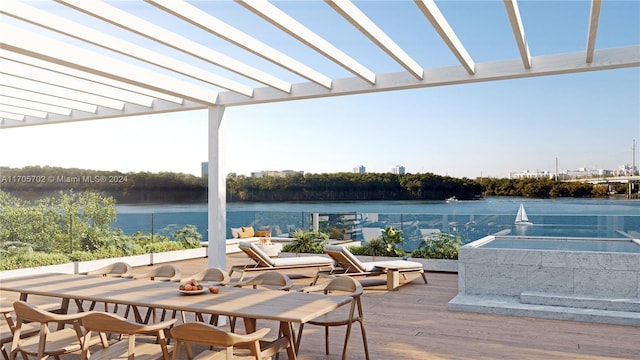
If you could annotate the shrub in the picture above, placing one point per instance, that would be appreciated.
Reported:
(189, 237)
(307, 241)
(439, 246)
(389, 243)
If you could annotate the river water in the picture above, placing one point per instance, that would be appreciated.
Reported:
(362, 220)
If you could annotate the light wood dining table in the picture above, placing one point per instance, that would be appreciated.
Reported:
(246, 303)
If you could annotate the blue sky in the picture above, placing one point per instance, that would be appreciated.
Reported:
(485, 129)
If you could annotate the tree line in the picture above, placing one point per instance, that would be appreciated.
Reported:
(35, 182)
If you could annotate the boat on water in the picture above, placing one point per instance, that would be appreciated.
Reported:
(521, 217)
(452, 199)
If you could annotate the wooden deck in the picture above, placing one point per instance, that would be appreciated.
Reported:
(414, 323)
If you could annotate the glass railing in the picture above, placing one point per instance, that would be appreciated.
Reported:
(415, 227)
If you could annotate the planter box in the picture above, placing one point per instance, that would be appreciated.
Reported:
(68, 268)
(169, 256)
(136, 260)
(84, 266)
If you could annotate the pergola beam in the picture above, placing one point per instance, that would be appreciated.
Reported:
(27, 60)
(94, 37)
(616, 58)
(52, 50)
(594, 18)
(518, 31)
(286, 23)
(358, 19)
(199, 18)
(442, 27)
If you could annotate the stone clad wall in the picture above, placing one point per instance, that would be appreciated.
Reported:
(511, 272)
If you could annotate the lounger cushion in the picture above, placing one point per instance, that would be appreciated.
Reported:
(373, 266)
(263, 256)
(303, 260)
(396, 264)
(347, 254)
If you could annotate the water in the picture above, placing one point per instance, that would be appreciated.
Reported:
(362, 220)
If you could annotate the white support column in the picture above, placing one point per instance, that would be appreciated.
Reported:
(217, 206)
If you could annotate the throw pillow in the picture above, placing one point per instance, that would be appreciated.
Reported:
(249, 231)
(263, 233)
(235, 232)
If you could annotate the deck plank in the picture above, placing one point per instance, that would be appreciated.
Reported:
(413, 323)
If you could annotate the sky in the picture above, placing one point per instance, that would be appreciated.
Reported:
(585, 120)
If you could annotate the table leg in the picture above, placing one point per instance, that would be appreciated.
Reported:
(285, 329)
(393, 279)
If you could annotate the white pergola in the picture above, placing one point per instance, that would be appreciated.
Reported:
(78, 60)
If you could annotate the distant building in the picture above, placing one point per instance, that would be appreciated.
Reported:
(531, 175)
(275, 173)
(398, 170)
(359, 169)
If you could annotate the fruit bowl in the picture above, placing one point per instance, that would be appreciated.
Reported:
(192, 287)
(193, 292)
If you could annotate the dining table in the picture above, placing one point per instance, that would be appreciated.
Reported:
(246, 303)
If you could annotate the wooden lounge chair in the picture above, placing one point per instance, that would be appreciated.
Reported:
(348, 265)
(264, 262)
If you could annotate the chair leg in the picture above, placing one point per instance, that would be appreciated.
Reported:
(326, 341)
(346, 341)
(364, 341)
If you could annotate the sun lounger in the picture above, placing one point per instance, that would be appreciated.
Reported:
(348, 265)
(264, 262)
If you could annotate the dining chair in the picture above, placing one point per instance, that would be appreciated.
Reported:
(8, 321)
(207, 334)
(7, 329)
(166, 272)
(339, 286)
(209, 277)
(127, 347)
(47, 343)
(271, 280)
(116, 269)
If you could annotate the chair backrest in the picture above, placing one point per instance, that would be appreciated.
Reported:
(205, 334)
(256, 254)
(344, 284)
(119, 268)
(212, 275)
(107, 323)
(269, 279)
(168, 272)
(344, 258)
(61, 341)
